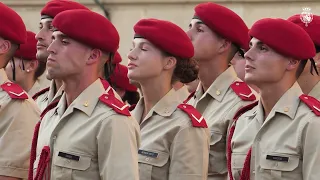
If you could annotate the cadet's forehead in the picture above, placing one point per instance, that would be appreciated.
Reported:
(58, 34)
(46, 21)
(196, 21)
(255, 41)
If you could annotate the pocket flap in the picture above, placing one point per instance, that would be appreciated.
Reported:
(160, 160)
(287, 165)
(82, 163)
(238, 160)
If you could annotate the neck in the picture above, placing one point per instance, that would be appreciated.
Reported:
(177, 85)
(307, 82)
(58, 83)
(210, 70)
(27, 82)
(271, 93)
(152, 92)
(74, 86)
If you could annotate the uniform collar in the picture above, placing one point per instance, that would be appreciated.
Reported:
(220, 86)
(287, 104)
(85, 102)
(165, 107)
(3, 76)
(315, 92)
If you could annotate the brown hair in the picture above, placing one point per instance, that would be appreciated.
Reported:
(186, 69)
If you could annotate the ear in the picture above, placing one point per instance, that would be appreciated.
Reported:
(224, 45)
(32, 65)
(170, 62)
(95, 55)
(5, 46)
(293, 64)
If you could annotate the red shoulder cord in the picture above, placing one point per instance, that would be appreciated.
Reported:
(245, 174)
(45, 154)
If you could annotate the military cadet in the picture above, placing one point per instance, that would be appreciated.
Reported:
(310, 82)
(174, 136)
(50, 10)
(19, 113)
(220, 92)
(238, 62)
(24, 68)
(88, 133)
(119, 79)
(277, 136)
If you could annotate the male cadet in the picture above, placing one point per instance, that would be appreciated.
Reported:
(18, 113)
(90, 133)
(278, 136)
(310, 83)
(217, 34)
(50, 10)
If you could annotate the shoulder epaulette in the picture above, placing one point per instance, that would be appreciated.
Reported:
(35, 96)
(14, 90)
(189, 97)
(243, 91)
(312, 103)
(197, 119)
(118, 106)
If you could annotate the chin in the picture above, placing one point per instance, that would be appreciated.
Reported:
(42, 55)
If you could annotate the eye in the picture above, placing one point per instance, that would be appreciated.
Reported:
(64, 42)
(199, 30)
(263, 48)
(40, 26)
(51, 28)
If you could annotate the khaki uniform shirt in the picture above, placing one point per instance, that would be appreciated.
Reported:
(315, 92)
(18, 119)
(218, 105)
(46, 98)
(104, 142)
(35, 88)
(171, 148)
(183, 93)
(285, 146)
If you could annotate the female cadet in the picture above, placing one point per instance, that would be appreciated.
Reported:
(24, 68)
(174, 136)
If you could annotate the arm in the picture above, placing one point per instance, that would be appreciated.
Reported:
(311, 150)
(18, 120)
(118, 141)
(190, 154)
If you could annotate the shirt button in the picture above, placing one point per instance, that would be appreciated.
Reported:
(147, 159)
(54, 137)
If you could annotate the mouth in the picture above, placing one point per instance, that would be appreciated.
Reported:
(41, 46)
(131, 65)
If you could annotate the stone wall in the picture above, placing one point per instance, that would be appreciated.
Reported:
(125, 13)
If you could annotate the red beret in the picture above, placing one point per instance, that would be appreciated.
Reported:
(96, 31)
(284, 37)
(120, 78)
(12, 27)
(224, 22)
(313, 28)
(28, 50)
(117, 58)
(54, 7)
(166, 36)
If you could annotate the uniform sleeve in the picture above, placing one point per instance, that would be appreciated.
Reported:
(118, 140)
(311, 150)
(17, 124)
(190, 154)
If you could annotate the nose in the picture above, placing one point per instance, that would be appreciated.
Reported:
(51, 48)
(189, 33)
(132, 55)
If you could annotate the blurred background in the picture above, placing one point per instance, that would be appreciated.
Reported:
(125, 13)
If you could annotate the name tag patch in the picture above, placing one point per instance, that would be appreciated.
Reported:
(69, 156)
(148, 153)
(278, 158)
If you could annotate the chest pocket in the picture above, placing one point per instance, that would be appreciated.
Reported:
(155, 168)
(66, 163)
(280, 166)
